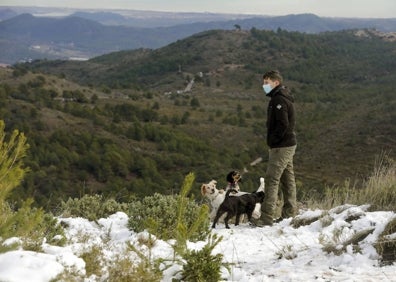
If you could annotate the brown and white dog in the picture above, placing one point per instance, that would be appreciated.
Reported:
(216, 197)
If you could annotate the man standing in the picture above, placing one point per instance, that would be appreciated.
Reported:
(282, 143)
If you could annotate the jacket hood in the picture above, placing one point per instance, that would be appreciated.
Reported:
(282, 90)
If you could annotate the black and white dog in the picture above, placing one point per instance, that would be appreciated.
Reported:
(238, 205)
(233, 178)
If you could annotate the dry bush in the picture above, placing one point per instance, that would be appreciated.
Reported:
(378, 190)
(304, 220)
(386, 244)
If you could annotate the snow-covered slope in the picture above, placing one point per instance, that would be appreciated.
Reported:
(278, 253)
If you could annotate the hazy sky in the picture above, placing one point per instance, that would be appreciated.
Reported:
(324, 8)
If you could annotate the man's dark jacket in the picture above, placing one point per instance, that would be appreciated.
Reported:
(281, 118)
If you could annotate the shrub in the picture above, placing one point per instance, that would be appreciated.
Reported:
(378, 190)
(51, 229)
(180, 218)
(386, 244)
(299, 221)
(202, 265)
(124, 269)
(93, 261)
(159, 214)
(23, 223)
(338, 244)
(91, 207)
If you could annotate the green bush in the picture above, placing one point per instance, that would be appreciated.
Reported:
(91, 207)
(179, 217)
(45, 226)
(143, 269)
(23, 223)
(159, 214)
(32, 225)
(93, 259)
(125, 270)
(202, 265)
(52, 230)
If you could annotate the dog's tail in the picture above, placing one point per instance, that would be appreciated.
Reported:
(229, 191)
(262, 185)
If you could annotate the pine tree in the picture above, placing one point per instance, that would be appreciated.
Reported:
(11, 174)
(11, 165)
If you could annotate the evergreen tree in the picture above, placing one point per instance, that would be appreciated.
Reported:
(11, 166)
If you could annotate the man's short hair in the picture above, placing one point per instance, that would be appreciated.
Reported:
(273, 75)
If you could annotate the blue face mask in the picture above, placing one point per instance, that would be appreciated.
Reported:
(267, 88)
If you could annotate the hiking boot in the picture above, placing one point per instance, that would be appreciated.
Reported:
(279, 219)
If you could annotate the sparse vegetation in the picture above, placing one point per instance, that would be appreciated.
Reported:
(338, 243)
(302, 221)
(93, 259)
(126, 270)
(386, 244)
(287, 252)
(378, 190)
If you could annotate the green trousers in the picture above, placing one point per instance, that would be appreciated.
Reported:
(279, 175)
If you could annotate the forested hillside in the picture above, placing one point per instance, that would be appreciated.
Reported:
(121, 124)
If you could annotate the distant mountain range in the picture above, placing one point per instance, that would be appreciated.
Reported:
(83, 35)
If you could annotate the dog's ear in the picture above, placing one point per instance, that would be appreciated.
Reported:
(229, 177)
(203, 190)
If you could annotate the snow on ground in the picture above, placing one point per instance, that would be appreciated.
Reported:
(277, 253)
